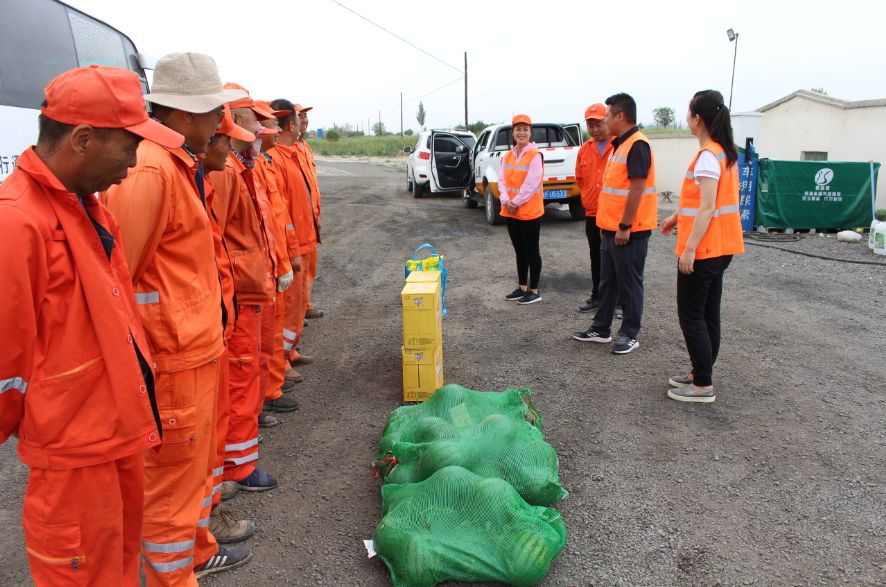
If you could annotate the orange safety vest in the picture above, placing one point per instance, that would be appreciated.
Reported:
(514, 174)
(723, 236)
(617, 185)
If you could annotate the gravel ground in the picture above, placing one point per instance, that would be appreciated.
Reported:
(780, 481)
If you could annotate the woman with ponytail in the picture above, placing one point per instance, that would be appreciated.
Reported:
(708, 235)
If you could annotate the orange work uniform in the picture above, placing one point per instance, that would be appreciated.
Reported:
(617, 186)
(301, 213)
(75, 384)
(243, 211)
(514, 172)
(169, 246)
(723, 236)
(271, 176)
(309, 167)
(589, 168)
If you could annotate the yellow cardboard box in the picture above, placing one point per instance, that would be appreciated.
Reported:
(431, 276)
(422, 373)
(422, 314)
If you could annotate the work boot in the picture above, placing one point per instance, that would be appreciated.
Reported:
(304, 360)
(229, 489)
(226, 528)
(225, 559)
(314, 313)
(266, 420)
(284, 403)
(292, 376)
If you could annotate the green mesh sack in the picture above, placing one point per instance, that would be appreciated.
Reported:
(450, 411)
(457, 526)
(497, 446)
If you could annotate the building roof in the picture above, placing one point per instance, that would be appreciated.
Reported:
(823, 99)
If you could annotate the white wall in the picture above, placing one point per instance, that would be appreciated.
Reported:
(852, 134)
(673, 154)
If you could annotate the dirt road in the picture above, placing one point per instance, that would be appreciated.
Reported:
(781, 481)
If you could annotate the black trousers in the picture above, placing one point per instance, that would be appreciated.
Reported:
(621, 281)
(698, 307)
(524, 236)
(593, 234)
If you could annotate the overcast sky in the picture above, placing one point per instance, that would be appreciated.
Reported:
(549, 59)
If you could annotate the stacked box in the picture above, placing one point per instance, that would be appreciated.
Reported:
(422, 335)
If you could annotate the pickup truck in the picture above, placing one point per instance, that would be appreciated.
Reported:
(559, 146)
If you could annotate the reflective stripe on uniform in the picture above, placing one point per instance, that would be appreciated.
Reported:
(289, 334)
(207, 501)
(151, 297)
(169, 567)
(242, 445)
(290, 227)
(167, 547)
(17, 383)
(287, 346)
(733, 209)
(618, 192)
(241, 460)
(218, 471)
(216, 489)
(203, 522)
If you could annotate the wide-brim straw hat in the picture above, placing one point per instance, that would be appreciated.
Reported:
(189, 82)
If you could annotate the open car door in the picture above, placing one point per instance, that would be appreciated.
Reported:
(450, 162)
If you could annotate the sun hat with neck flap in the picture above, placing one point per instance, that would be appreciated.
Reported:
(190, 82)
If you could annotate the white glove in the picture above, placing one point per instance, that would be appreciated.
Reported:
(284, 281)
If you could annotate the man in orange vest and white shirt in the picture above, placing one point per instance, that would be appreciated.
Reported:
(170, 249)
(589, 167)
(76, 385)
(309, 168)
(627, 212)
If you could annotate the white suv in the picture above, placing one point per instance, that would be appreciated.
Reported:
(440, 161)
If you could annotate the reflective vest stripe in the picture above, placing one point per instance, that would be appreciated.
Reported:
(242, 445)
(207, 501)
(16, 383)
(617, 192)
(732, 209)
(619, 158)
(167, 547)
(152, 297)
(218, 471)
(203, 522)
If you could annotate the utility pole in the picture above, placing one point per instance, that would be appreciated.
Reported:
(401, 115)
(379, 122)
(368, 128)
(466, 90)
(733, 36)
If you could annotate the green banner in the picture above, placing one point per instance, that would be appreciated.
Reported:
(815, 194)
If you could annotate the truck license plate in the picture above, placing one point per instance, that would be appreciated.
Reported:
(554, 194)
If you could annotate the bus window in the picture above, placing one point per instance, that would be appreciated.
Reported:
(96, 43)
(35, 46)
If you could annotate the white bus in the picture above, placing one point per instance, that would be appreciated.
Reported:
(39, 39)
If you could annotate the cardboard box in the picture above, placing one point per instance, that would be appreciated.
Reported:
(431, 276)
(422, 315)
(422, 373)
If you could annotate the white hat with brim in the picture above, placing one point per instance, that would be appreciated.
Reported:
(189, 82)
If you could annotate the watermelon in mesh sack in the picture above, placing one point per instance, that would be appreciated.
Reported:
(450, 411)
(497, 446)
(457, 526)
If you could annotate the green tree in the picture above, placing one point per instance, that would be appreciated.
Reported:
(332, 135)
(378, 129)
(664, 116)
(408, 132)
(421, 115)
(477, 127)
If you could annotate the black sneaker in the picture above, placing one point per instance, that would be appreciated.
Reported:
(515, 295)
(624, 345)
(591, 304)
(591, 335)
(226, 558)
(529, 298)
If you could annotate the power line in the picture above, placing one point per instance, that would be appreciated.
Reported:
(375, 24)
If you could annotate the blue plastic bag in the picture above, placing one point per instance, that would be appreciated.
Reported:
(430, 261)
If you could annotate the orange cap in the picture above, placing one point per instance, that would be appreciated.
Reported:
(595, 111)
(265, 105)
(230, 128)
(299, 108)
(105, 97)
(521, 119)
(248, 102)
